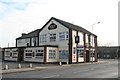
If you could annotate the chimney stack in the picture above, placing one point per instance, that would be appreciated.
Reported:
(23, 34)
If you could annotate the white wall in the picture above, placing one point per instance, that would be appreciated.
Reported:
(57, 55)
(80, 34)
(33, 59)
(10, 58)
(74, 58)
(62, 45)
(60, 28)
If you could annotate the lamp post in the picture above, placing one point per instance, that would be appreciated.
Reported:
(92, 39)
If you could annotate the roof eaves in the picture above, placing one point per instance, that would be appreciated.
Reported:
(30, 34)
(80, 28)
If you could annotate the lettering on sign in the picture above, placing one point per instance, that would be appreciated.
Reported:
(52, 26)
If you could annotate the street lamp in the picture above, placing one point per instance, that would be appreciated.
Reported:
(92, 39)
(93, 25)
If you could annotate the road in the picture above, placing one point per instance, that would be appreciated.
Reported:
(103, 70)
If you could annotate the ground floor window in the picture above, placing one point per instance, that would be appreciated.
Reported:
(80, 53)
(63, 54)
(15, 54)
(92, 53)
(52, 54)
(34, 53)
(108, 56)
(28, 54)
(7, 53)
(39, 54)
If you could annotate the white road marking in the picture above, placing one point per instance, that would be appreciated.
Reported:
(52, 76)
(83, 71)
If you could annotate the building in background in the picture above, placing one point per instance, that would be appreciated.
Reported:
(111, 52)
(56, 41)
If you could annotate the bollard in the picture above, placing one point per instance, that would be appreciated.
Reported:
(6, 67)
(19, 66)
(60, 63)
(67, 62)
(31, 66)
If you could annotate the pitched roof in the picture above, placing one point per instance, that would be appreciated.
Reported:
(66, 24)
(72, 26)
(31, 34)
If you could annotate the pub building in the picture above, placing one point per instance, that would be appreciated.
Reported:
(57, 41)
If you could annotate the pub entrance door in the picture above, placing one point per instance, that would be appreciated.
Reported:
(87, 56)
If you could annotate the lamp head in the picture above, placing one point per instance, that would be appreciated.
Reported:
(98, 22)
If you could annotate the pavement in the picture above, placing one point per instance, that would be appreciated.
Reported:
(44, 67)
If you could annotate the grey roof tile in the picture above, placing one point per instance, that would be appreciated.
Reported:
(66, 24)
(31, 34)
(72, 26)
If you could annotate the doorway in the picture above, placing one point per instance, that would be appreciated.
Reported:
(87, 56)
(20, 54)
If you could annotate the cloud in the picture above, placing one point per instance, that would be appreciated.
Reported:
(16, 5)
(9, 6)
(22, 16)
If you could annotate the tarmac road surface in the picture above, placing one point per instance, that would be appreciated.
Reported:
(108, 69)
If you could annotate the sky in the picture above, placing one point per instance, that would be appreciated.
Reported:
(24, 16)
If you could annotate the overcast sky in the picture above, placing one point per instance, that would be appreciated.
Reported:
(23, 16)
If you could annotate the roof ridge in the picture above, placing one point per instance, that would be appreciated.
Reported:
(67, 22)
(75, 26)
(34, 32)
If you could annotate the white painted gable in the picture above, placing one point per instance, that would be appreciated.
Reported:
(60, 28)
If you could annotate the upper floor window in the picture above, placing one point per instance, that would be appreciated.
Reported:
(27, 40)
(52, 37)
(19, 41)
(63, 36)
(43, 38)
(67, 35)
(34, 41)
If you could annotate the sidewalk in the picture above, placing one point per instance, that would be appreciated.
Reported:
(45, 67)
